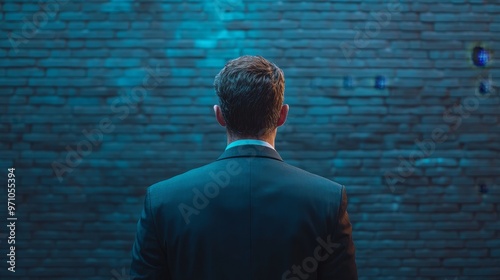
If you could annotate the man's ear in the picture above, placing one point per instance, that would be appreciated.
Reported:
(283, 115)
(218, 115)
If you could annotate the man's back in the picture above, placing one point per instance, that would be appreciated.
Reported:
(248, 215)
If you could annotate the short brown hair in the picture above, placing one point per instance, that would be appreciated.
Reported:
(251, 93)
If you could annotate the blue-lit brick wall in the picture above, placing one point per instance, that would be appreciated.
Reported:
(100, 99)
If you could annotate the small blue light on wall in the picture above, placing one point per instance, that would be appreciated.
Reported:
(483, 188)
(480, 56)
(484, 87)
(380, 82)
(348, 82)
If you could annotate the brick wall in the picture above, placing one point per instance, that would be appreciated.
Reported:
(100, 99)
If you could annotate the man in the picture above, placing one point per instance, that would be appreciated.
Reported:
(247, 215)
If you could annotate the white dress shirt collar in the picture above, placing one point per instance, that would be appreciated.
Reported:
(249, 142)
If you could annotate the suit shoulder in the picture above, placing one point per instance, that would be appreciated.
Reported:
(178, 180)
(316, 179)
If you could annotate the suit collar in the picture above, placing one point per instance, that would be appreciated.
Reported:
(250, 151)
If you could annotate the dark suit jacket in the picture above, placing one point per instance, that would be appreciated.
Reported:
(248, 215)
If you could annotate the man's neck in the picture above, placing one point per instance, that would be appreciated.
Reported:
(266, 138)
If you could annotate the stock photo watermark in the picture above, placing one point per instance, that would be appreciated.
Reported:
(121, 108)
(223, 8)
(363, 37)
(12, 219)
(219, 180)
(453, 117)
(310, 264)
(123, 274)
(32, 25)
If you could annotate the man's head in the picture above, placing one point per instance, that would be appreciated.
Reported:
(251, 93)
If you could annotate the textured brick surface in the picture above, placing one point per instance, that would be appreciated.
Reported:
(115, 95)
